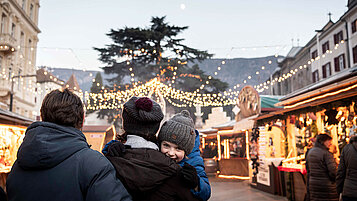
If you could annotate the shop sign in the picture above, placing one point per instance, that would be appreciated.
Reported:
(96, 135)
(263, 176)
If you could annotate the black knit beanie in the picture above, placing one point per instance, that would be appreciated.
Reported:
(179, 130)
(142, 117)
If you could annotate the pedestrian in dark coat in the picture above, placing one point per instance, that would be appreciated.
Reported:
(55, 163)
(321, 170)
(146, 172)
(346, 179)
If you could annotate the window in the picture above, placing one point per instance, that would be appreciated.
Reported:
(326, 70)
(353, 26)
(354, 51)
(3, 23)
(315, 76)
(340, 63)
(338, 37)
(22, 39)
(314, 54)
(24, 4)
(31, 11)
(13, 30)
(325, 47)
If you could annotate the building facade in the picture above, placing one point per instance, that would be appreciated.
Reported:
(46, 82)
(18, 45)
(331, 52)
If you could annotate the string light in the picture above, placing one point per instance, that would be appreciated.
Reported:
(294, 71)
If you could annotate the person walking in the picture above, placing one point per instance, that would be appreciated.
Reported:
(147, 173)
(55, 163)
(346, 179)
(321, 171)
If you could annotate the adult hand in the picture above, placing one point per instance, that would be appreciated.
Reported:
(189, 176)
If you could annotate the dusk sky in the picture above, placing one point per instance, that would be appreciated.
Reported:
(227, 28)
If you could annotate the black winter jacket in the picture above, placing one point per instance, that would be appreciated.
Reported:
(150, 175)
(55, 163)
(346, 179)
(321, 170)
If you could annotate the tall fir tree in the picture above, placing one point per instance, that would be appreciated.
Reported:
(97, 84)
(152, 52)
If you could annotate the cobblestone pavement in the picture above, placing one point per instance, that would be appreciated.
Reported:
(229, 190)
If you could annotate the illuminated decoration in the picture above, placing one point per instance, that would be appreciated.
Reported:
(219, 147)
(263, 86)
(322, 96)
(233, 177)
(11, 138)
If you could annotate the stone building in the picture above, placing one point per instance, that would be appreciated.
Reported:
(18, 45)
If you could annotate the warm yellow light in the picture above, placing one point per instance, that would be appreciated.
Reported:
(233, 177)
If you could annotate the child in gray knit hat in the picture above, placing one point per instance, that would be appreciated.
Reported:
(177, 138)
(178, 131)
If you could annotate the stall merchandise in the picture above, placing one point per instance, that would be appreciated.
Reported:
(11, 138)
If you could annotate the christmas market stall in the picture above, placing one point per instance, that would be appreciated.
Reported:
(99, 135)
(327, 107)
(12, 132)
(209, 150)
(233, 137)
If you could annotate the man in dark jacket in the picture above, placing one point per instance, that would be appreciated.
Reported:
(54, 162)
(346, 179)
(321, 171)
(147, 173)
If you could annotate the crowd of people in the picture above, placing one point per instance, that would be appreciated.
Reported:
(326, 181)
(55, 161)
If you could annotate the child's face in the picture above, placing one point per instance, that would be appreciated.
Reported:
(172, 150)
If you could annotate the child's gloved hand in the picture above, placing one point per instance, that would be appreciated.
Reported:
(105, 149)
(189, 176)
(116, 149)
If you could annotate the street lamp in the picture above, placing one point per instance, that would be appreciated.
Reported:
(12, 88)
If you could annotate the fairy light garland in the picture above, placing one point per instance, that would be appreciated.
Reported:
(265, 85)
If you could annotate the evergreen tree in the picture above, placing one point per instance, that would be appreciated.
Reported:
(152, 52)
(97, 84)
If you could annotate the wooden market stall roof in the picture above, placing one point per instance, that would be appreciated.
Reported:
(7, 117)
(340, 86)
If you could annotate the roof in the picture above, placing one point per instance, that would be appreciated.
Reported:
(245, 124)
(44, 76)
(72, 83)
(351, 3)
(208, 131)
(267, 101)
(293, 52)
(96, 128)
(13, 118)
(226, 126)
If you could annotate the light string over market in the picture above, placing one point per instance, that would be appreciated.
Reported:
(111, 100)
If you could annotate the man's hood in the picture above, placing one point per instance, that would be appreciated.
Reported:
(47, 144)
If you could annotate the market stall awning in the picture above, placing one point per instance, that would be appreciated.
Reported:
(226, 126)
(245, 124)
(339, 82)
(7, 117)
(208, 131)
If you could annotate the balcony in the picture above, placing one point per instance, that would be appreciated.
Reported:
(7, 43)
